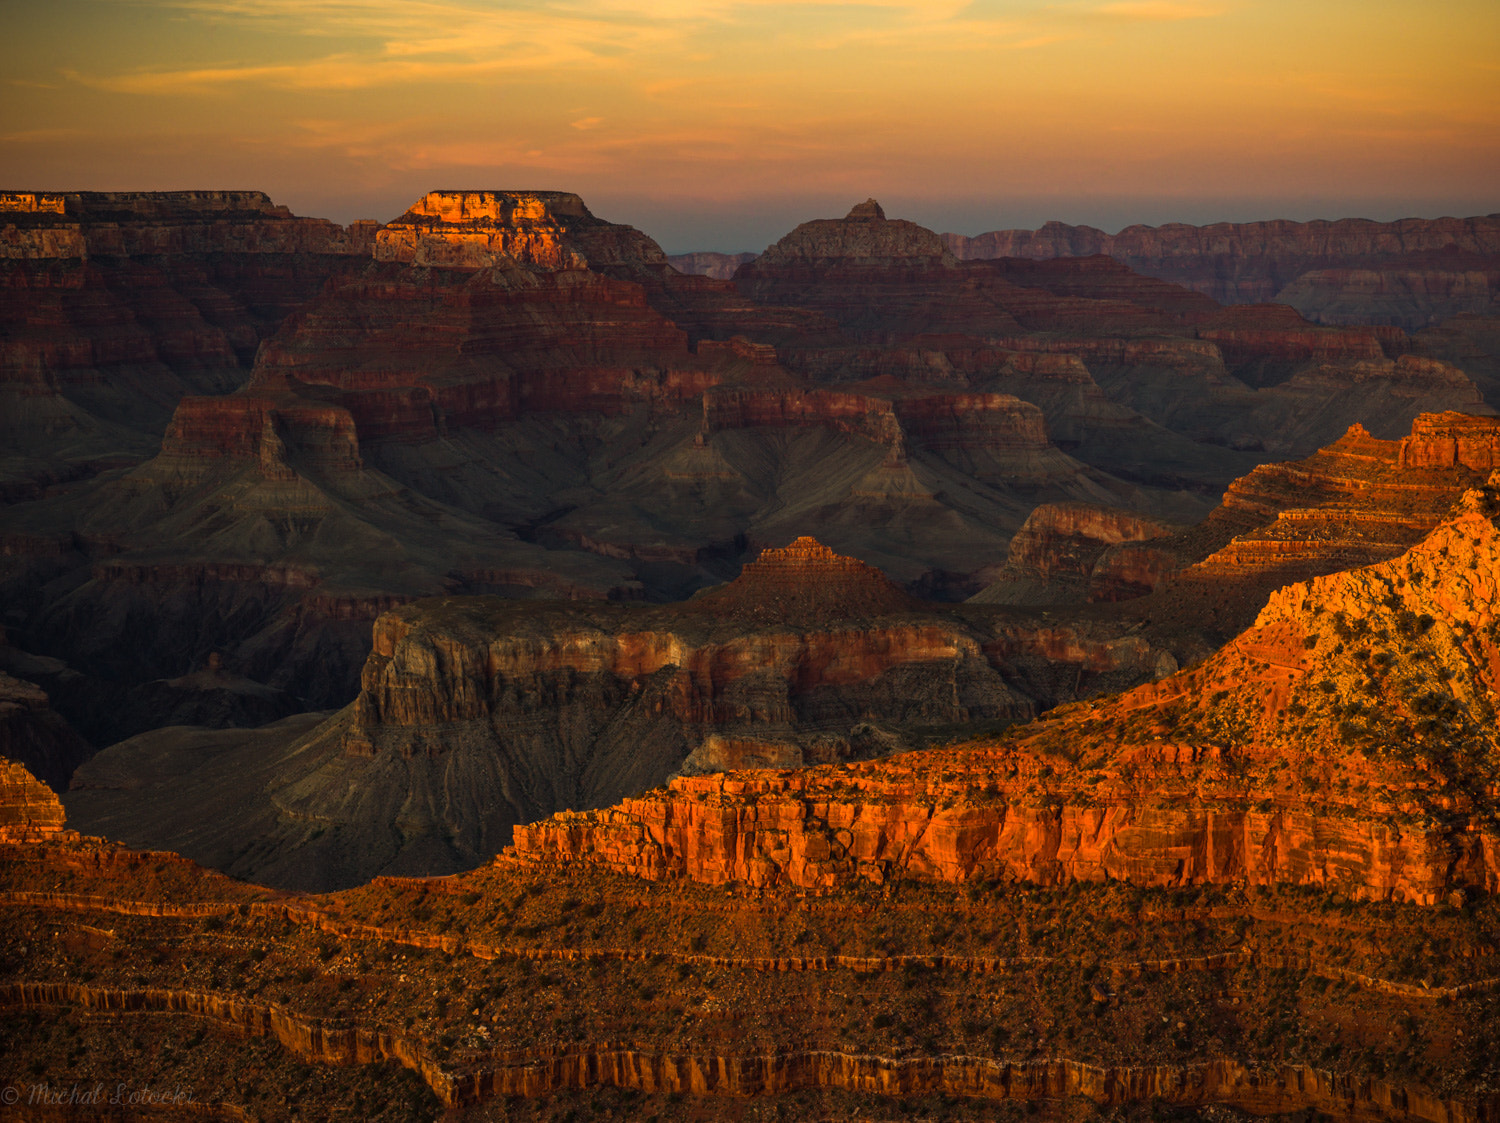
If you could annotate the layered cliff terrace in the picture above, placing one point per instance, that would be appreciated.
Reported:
(468, 992)
(1360, 500)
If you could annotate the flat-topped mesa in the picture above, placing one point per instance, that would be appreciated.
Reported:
(29, 810)
(864, 236)
(807, 582)
(84, 224)
(206, 432)
(550, 230)
(1451, 440)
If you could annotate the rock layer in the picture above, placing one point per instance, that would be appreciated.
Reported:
(1175, 783)
(28, 809)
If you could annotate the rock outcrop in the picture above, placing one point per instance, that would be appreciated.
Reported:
(1346, 741)
(1358, 501)
(29, 811)
(1070, 552)
(991, 994)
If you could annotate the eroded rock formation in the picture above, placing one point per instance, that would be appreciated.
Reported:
(476, 713)
(116, 304)
(1070, 552)
(1345, 741)
(698, 995)
(28, 809)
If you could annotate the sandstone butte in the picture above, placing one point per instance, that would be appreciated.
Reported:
(1346, 741)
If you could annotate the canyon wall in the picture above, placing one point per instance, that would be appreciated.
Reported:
(1410, 273)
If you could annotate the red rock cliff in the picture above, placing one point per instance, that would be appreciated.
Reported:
(1387, 790)
(28, 809)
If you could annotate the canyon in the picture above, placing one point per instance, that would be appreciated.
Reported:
(479, 714)
(475, 665)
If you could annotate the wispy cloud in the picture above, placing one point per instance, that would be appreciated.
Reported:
(1159, 11)
(382, 43)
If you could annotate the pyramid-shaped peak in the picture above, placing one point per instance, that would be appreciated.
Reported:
(869, 209)
(802, 551)
(806, 582)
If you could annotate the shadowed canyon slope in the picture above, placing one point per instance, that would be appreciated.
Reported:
(477, 714)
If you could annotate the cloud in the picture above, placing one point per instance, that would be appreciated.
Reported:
(383, 43)
(587, 123)
(1159, 11)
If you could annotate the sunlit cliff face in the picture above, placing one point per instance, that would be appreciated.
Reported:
(677, 111)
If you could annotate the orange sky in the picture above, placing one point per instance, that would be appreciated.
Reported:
(720, 123)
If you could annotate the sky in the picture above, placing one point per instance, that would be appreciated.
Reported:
(721, 124)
